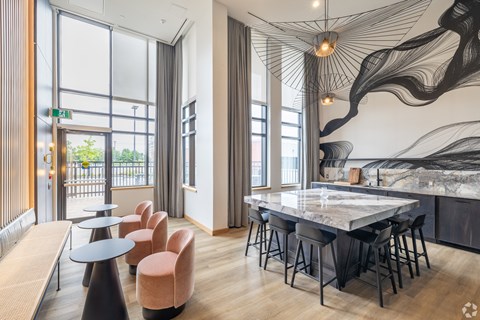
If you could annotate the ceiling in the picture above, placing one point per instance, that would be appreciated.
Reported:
(163, 20)
(166, 20)
(297, 10)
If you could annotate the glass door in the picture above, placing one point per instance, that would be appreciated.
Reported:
(85, 175)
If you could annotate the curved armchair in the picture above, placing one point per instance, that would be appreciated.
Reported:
(136, 221)
(165, 280)
(153, 239)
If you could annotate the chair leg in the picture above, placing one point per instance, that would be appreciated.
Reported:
(320, 273)
(311, 260)
(268, 250)
(265, 235)
(297, 254)
(409, 262)
(415, 252)
(278, 244)
(285, 257)
(389, 264)
(262, 233)
(397, 258)
(379, 281)
(424, 247)
(249, 236)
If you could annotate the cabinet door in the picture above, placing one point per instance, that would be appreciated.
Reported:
(459, 221)
(427, 206)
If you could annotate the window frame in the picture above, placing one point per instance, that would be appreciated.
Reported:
(264, 138)
(149, 177)
(298, 139)
(189, 115)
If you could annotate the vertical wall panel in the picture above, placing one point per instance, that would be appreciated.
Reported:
(14, 110)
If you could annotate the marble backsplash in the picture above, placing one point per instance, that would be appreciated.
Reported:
(455, 182)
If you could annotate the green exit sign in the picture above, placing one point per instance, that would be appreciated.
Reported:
(61, 113)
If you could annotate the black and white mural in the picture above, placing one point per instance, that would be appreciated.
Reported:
(437, 71)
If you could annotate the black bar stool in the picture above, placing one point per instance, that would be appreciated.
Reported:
(260, 218)
(375, 243)
(415, 225)
(320, 239)
(398, 230)
(279, 225)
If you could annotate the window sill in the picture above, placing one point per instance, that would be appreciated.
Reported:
(261, 188)
(189, 188)
(131, 187)
(291, 185)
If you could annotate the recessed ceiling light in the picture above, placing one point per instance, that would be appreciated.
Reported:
(316, 4)
(162, 21)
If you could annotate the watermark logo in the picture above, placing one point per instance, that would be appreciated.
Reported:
(470, 310)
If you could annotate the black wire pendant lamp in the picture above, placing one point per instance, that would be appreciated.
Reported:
(324, 56)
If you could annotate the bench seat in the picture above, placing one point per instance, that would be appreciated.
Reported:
(26, 270)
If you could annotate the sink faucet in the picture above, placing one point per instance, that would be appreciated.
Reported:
(378, 178)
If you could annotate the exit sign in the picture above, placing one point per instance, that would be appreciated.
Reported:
(61, 113)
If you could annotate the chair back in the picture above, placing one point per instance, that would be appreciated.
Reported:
(182, 242)
(144, 209)
(277, 223)
(418, 222)
(313, 235)
(401, 228)
(158, 222)
(383, 237)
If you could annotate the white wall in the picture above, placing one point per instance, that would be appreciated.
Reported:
(128, 198)
(208, 204)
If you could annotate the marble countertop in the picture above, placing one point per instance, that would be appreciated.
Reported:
(342, 210)
(418, 190)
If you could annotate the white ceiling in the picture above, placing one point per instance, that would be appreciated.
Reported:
(165, 20)
(297, 10)
(159, 19)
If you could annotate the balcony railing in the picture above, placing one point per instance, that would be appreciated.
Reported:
(290, 172)
(90, 182)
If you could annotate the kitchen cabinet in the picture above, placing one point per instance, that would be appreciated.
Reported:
(427, 207)
(459, 221)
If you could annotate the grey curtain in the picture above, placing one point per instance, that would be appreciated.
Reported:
(168, 193)
(311, 126)
(239, 122)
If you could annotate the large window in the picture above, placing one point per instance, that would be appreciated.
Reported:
(259, 145)
(189, 118)
(291, 145)
(109, 78)
(259, 121)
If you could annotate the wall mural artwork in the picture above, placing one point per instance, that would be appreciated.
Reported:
(418, 72)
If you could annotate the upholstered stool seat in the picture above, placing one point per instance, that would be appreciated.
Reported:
(136, 221)
(153, 239)
(165, 280)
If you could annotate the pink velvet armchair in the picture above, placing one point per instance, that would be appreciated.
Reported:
(165, 280)
(136, 221)
(150, 240)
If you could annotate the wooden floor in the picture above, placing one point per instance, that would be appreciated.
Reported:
(231, 286)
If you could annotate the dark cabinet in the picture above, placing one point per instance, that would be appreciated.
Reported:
(427, 206)
(329, 186)
(370, 190)
(459, 221)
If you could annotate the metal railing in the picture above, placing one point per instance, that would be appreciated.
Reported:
(90, 182)
(290, 172)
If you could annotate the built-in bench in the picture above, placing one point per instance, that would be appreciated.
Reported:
(27, 267)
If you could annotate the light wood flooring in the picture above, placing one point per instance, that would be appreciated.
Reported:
(231, 286)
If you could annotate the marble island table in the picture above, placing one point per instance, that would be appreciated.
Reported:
(339, 213)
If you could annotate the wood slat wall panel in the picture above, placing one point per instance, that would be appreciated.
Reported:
(14, 110)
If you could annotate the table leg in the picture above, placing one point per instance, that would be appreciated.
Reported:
(97, 234)
(105, 298)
